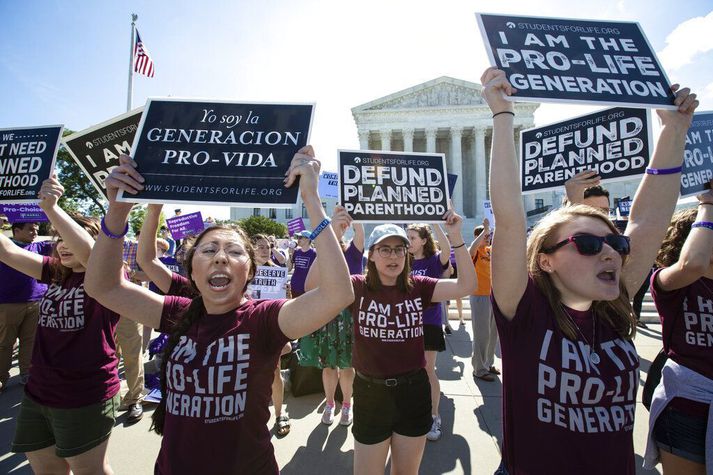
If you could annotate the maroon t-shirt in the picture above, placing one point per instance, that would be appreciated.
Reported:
(181, 286)
(687, 325)
(74, 361)
(388, 327)
(219, 380)
(562, 414)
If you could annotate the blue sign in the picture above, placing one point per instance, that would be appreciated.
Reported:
(566, 60)
(698, 156)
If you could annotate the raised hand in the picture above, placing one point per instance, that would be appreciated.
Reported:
(50, 192)
(495, 88)
(306, 166)
(575, 186)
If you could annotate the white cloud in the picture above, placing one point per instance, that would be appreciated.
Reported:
(688, 39)
(707, 92)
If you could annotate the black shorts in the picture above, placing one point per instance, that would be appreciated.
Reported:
(433, 339)
(681, 434)
(380, 411)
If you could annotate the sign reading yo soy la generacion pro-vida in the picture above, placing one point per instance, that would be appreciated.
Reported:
(219, 152)
(395, 187)
(96, 149)
(698, 155)
(615, 143)
(27, 158)
(570, 60)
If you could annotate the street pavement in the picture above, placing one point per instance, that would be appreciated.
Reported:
(471, 414)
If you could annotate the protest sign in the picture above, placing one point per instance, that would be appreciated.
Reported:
(698, 156)
(488, 213)
(616, 143)
(452, 179)
(23, 213)
(96, 149)
(185, 225)
(219, 152)
(269, 283)
(623, 207)
(328, 182)
(295, 225)
(393, 187)
(27, 158)
(570, 60)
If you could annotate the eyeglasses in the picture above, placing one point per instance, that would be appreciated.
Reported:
(234, 252)
(590, 245)
(386, 251)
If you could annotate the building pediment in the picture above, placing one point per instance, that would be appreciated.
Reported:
(437, 93)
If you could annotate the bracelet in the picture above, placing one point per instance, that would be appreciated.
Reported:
(460, 245)
(703, 204)
(320, 227)
(663, 171)
(108, 233)
(703, 224)
(504, 112)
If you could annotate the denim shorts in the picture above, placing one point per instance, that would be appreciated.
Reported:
(681, 435)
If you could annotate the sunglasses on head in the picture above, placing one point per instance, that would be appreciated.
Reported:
(590, 245)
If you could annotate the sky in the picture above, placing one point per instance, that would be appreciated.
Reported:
(66, 61)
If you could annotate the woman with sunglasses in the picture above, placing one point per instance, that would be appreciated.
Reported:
(680, 417)
(561, 304)
(219, 363)
(71, 397)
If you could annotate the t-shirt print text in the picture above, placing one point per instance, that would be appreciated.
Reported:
(391, 323)
(63, 309)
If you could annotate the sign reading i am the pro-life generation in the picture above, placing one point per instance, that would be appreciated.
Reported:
(570, 60)
(23, 213)
(96, 149)
(185, 225)
(698, 156)
(27, 158)
(269, 283)
(219, 152)
(393, 187)
(616, 143)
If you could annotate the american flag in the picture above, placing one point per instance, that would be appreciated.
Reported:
(143, 64)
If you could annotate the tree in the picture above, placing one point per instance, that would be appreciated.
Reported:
(79, 194)
(262, 225)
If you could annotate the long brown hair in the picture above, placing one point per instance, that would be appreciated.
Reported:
(676, 235)
(58, 272)
(424, 232)
(617, 313)
(194, 313)
(404, 282)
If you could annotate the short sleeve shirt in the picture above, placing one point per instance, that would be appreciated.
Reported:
(302, 262)
(481, 261)
(17, 287)
(429, 267)
(355, 259)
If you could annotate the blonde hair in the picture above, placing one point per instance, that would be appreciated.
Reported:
(617, 313)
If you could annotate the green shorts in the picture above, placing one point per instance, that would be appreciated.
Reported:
(330, 346)
(71, 431)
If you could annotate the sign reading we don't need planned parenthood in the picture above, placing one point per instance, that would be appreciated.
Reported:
(572, 60)
(218, 152)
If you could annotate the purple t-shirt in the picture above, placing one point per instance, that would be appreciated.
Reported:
(302, 262)
(562, 414)
(74, 361)
(355, 261)
(388, 327)
(171, 264)
(17, 287)
(429, 267)
(218, 390)
(687, 326)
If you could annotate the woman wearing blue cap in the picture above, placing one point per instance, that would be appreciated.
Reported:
(302, 260)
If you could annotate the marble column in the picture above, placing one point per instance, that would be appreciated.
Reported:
(481, 179)
(363, 139)
(457, 168)
(408, 140)
(386, 140)
(431, 140)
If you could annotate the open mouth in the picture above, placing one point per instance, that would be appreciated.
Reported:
(218, 281)
(607, 276)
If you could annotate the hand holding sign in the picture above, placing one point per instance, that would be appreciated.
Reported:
(453, 225)
(495, 88)
(707, 197)
(683, 116)
(126, 178)
(50, 192)
(575, 186)
(305, 166)
(340, 221)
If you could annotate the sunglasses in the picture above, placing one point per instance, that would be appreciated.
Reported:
(590, 245)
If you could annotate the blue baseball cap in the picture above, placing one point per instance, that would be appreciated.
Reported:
(384, 231)
(304, 234)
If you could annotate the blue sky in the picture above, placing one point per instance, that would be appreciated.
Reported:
(67, 62)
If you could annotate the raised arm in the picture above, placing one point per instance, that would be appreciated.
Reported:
(20, 259)
(146, 255)
(695, 258)
(481, 239)
(340, 223)
(315, 308)
(447, 289)
(443, 243)
(509, 256)
(656, 196)
(575, 186)
(358, 239)
(105, 278)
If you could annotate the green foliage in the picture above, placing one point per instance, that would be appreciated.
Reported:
(136, 218)
(262, 225)
(79, 194)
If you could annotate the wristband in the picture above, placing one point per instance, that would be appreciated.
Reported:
(320, 227)
(703, 224)
(504, 112)
(459, 245)
(704, 204)
(663, 171)
(109, 234)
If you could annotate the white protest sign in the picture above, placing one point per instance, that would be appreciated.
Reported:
(488, 213)
(269, 283)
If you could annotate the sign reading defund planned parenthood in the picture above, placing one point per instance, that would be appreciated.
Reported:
(698, 155)
(393, 187)
(615, 143)
(96, 149)
(554, 59)
(27, 158)
(219, 152)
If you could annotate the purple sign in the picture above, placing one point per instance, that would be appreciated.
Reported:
(185, 225)
(23, 213)
(295, 225)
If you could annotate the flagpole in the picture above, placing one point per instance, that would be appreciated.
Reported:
(130, 92)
